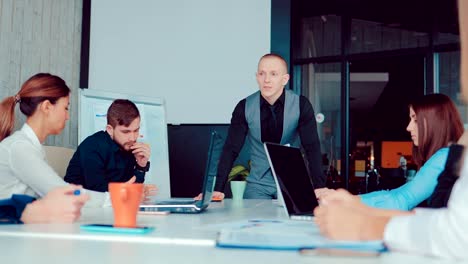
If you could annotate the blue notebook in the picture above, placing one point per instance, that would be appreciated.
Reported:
(285, 235)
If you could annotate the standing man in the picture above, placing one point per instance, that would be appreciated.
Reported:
(113, 155)
(272, 114)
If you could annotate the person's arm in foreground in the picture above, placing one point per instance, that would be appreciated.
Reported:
(341, 215)
(58, 206)
(11, 209)
(436, 232)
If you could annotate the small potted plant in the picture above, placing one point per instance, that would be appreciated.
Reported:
(237, 178)
(238, 173)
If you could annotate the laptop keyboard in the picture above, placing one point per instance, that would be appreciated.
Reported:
(176, 202)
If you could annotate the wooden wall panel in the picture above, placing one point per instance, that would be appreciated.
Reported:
(41, 36)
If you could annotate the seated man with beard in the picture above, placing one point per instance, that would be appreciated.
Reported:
(113, 155)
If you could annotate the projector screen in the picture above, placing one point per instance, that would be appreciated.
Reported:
(199, 56)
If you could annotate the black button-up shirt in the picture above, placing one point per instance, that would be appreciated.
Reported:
(99, 161)
(271, 117)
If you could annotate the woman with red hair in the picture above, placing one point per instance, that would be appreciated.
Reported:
(44, 100)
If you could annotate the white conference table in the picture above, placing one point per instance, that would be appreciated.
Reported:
(178, 238)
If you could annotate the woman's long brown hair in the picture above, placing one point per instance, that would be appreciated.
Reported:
(439, 123)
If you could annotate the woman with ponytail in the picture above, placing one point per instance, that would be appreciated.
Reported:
(44, 100)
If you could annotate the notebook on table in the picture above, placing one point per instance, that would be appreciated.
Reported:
(278, 234)
(191, 205)
(295, 187)
(296, 191)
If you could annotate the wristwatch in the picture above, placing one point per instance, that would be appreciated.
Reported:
(143, 169)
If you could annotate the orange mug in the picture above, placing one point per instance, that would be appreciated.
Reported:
(126, 198)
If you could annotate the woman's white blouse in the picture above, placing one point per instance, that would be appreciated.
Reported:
(24, 169)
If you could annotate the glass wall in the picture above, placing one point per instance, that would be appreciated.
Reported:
(320, 36)
(322, 86)
(380, 91)
(393, 58)
(449, 79)
(367, 36)
(447, 38)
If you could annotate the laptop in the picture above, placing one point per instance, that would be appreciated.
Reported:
(294, 185)
(191, 206)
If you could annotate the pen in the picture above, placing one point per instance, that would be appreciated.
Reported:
(78, 192)
(264, 221)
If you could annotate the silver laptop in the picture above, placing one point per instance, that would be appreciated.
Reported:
(192, 206)
(295, 187)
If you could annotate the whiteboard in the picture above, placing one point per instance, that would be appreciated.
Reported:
(92, 109)
(200, 56)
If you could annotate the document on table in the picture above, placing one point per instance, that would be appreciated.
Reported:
(284, 235)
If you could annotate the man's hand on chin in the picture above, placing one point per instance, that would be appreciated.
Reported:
(142, 153)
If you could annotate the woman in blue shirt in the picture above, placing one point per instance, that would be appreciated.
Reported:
(434, 124)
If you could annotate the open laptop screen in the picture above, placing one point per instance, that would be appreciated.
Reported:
(214, 150)
(288, 165)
